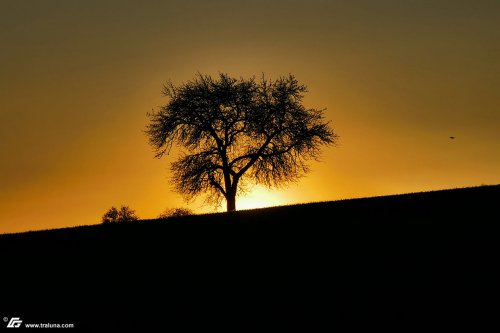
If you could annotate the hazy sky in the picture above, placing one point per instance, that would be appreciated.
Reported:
(398, 78)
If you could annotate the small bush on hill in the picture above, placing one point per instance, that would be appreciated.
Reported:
(124, 214)
(175, 212)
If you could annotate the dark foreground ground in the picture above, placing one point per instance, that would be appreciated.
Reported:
(425, 261)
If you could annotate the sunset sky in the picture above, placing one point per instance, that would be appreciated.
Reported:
(398, 78)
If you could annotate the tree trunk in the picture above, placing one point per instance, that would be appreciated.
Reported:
(231, 202)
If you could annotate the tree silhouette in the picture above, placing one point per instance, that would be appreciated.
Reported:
(111, 216)
(232, 128)
(124, 214)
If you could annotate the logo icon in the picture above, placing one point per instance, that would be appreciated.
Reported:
(14, 322)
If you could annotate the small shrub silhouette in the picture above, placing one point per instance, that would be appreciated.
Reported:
(175, 212)
(124, 214)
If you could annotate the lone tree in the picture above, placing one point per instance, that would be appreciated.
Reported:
(236, 130)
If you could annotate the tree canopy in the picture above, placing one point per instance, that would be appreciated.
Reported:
(236, 130)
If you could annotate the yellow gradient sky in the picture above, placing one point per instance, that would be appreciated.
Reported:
(398, 77)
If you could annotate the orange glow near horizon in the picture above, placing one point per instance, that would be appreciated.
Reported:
(397, 79)
(259, 197)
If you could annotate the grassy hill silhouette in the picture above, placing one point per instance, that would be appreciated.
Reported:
(398, 262)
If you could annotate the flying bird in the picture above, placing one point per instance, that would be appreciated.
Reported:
(452, 137)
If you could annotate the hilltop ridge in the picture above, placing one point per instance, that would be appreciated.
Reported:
(393, 261)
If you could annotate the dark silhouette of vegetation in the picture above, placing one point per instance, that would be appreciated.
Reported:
(236, 130)
(111, 216)
(175, 212)
(124, 214)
